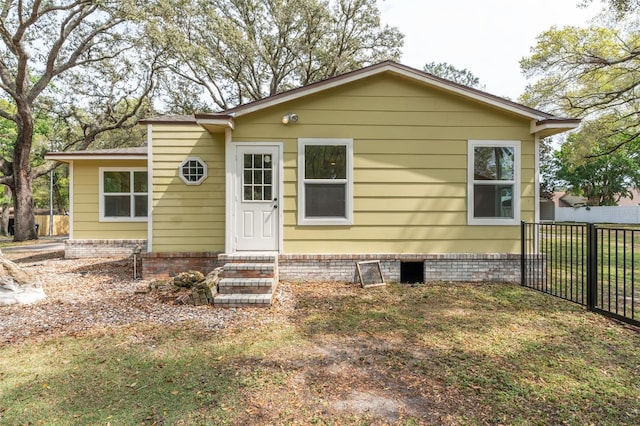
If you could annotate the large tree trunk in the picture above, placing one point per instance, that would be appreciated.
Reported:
(23, 220)
(4, 217)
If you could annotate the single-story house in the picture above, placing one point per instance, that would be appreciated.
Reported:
(384, 163)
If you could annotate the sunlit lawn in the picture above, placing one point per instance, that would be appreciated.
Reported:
(617, 271)
(429, 354)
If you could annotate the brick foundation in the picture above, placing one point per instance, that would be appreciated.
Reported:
(496, 267)
(165, 265)
(469, 267)
(79, 249)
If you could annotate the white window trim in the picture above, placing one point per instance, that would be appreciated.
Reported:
(327, 221)
(104, 218)
(204, 173)
(471, 220)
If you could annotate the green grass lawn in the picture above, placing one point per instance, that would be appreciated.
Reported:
(429, 354)
(618, 266)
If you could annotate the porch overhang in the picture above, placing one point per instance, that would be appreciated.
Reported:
(215, 123)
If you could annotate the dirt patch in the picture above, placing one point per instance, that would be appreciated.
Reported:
(86, 295)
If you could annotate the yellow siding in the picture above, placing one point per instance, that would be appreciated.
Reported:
(86, 211)
(410, 167)
(187, 217)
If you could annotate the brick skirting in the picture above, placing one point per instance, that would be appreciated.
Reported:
(79, 249)
(469, 267)
(495, 267)
(164, 265)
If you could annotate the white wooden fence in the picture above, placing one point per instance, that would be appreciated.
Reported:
(614, 214)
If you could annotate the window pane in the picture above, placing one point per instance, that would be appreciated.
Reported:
(493, 162)
(139, 181)
(248, 163)
(492, 201)
(117, 206)
(325, 200)
(140, 205)
(116, 181)
(193, 170)
(257, 193)
(325, 162)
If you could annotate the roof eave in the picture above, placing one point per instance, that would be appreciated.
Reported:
(550, 127)
(215, 123)
(65, 157)
(398, 69)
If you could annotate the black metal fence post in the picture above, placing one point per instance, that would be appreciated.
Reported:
(523, 253)
(592, 266)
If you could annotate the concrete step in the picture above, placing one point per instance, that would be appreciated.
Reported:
(243, 300)
(245, 285)
(249, 270)
(248, 257)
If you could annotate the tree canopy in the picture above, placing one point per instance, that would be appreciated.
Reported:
(448, 71)
(66, 60)
(591, 72)
(236, 51)
(602, 177)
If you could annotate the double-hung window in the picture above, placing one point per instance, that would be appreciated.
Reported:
(325, 181)
(123, 194)
(493, 182)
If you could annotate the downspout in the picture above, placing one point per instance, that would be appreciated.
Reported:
(229, 166)
(150, 188)
(71, 197)
(536, 218)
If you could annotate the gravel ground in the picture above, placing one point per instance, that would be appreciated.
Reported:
(92, 294)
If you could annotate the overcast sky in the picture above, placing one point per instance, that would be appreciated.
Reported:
(488, 37)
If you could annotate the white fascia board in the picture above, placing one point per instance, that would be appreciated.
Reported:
(472, 94)
(311, 90)
(65, 158)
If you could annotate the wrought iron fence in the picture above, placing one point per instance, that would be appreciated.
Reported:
(595, 266)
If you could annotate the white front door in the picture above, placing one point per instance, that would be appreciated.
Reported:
(257, 217)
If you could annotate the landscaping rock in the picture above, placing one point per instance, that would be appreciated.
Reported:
(188, 279)
(189, 288)
(17, 286)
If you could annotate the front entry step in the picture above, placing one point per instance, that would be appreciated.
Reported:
(243, 300)
(245, 285)
(248, 280)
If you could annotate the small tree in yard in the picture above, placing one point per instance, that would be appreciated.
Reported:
(65, 60)
(602, 177)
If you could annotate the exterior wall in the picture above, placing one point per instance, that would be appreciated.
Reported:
(187, 218)
(86, 214)
(410, 167)
(78, 249)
